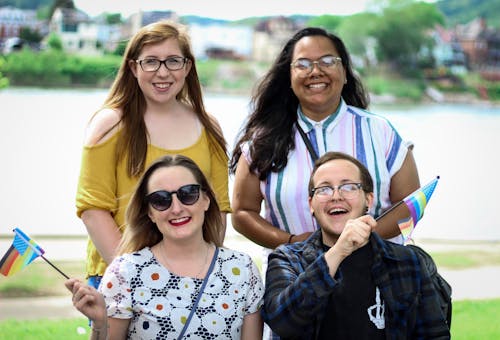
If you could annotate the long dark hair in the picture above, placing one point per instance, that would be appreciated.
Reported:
(270, 125)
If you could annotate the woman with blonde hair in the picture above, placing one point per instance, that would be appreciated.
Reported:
(172, 279)
(154, 108)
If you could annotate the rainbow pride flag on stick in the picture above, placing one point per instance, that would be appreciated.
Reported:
(21, 253)
(416, 203)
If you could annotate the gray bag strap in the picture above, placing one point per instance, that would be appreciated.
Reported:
(200, 292)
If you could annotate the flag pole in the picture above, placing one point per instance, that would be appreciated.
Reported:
(53, 266)
(389, 210)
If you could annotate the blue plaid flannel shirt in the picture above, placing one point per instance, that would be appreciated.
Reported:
(298, 285)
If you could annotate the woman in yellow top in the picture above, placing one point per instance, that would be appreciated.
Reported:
(154, 107)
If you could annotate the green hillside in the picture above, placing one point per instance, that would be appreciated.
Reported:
(464, 11)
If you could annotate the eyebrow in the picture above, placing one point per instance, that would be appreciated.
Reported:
(326, 55)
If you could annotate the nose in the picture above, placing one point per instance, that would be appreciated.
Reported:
(336, 195)
(163, 68)
(315, 66)
(176, 204)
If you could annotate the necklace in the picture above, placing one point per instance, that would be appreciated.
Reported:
(204, 265)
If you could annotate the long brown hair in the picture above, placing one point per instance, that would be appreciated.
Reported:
(125, 94)
(142, 232)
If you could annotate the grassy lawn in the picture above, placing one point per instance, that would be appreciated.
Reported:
(40, 279)
(463, 260)
(471, 320)
(44, 329)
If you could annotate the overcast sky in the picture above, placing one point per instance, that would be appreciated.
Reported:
(224, 9)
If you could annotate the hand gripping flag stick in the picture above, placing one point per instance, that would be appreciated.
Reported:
(21, 253)
(416, 203)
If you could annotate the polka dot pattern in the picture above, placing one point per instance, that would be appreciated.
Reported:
(138, 287)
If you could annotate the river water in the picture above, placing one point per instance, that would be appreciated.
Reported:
(41, 134)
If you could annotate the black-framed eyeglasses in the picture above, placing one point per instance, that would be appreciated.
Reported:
(171, 63)
(162, 200)
(346, 191)
(304, 66)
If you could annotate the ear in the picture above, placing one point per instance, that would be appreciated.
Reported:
(189, 63)
(151, 217)
(205, 201)
(369, 199)
(311, 209)
(133, 67)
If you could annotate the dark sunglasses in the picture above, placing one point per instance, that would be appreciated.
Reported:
(162, 200)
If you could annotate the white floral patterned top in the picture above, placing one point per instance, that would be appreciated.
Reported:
(136, 286)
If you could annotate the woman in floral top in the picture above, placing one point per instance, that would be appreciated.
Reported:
(169, 249)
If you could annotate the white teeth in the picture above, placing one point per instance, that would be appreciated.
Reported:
(179, 220)
(162, 86)
(317, 86)
(337, 211)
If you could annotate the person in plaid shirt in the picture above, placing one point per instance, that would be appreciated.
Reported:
(345, 281)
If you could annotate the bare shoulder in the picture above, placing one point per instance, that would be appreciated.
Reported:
(103, 124)
(215, 122)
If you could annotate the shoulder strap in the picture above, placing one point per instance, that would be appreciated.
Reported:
(200, 292)
(307, 142)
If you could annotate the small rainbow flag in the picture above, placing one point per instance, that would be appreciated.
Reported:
(416, 203)
(20, 254)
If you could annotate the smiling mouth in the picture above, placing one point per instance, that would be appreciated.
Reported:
(337, 211)
(317, 86)
(162, 86)
(180, 221)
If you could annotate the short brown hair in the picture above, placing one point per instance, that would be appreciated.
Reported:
(366, 178)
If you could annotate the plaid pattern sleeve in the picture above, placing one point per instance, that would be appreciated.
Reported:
(297, 287)
(412, 306)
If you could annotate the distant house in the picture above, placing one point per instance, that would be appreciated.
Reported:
(12, 20)
(221, 41)
(270, 36)
(108, 35)
(447, 51)
(492, 38)
(77, 31)
(141, 19)
(473, 43)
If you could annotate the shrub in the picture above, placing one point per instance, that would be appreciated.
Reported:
(54, 68)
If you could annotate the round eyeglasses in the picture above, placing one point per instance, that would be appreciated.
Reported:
(171, 63)
(304, 66)
(162, 200)
(346, 191)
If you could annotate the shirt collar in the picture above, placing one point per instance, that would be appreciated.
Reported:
(308, 124)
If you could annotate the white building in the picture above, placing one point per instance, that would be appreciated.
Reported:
(77, 32)
(236, 39)
(12, 20)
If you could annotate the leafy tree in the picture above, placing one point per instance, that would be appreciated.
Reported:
(4, 82)
(30, 35)
(356, 30)
(120, 48)
(61, 4)
(113, 18)
(55, 42)
(328, 22)
(464, 11)
(401, 32)
(25, 4)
